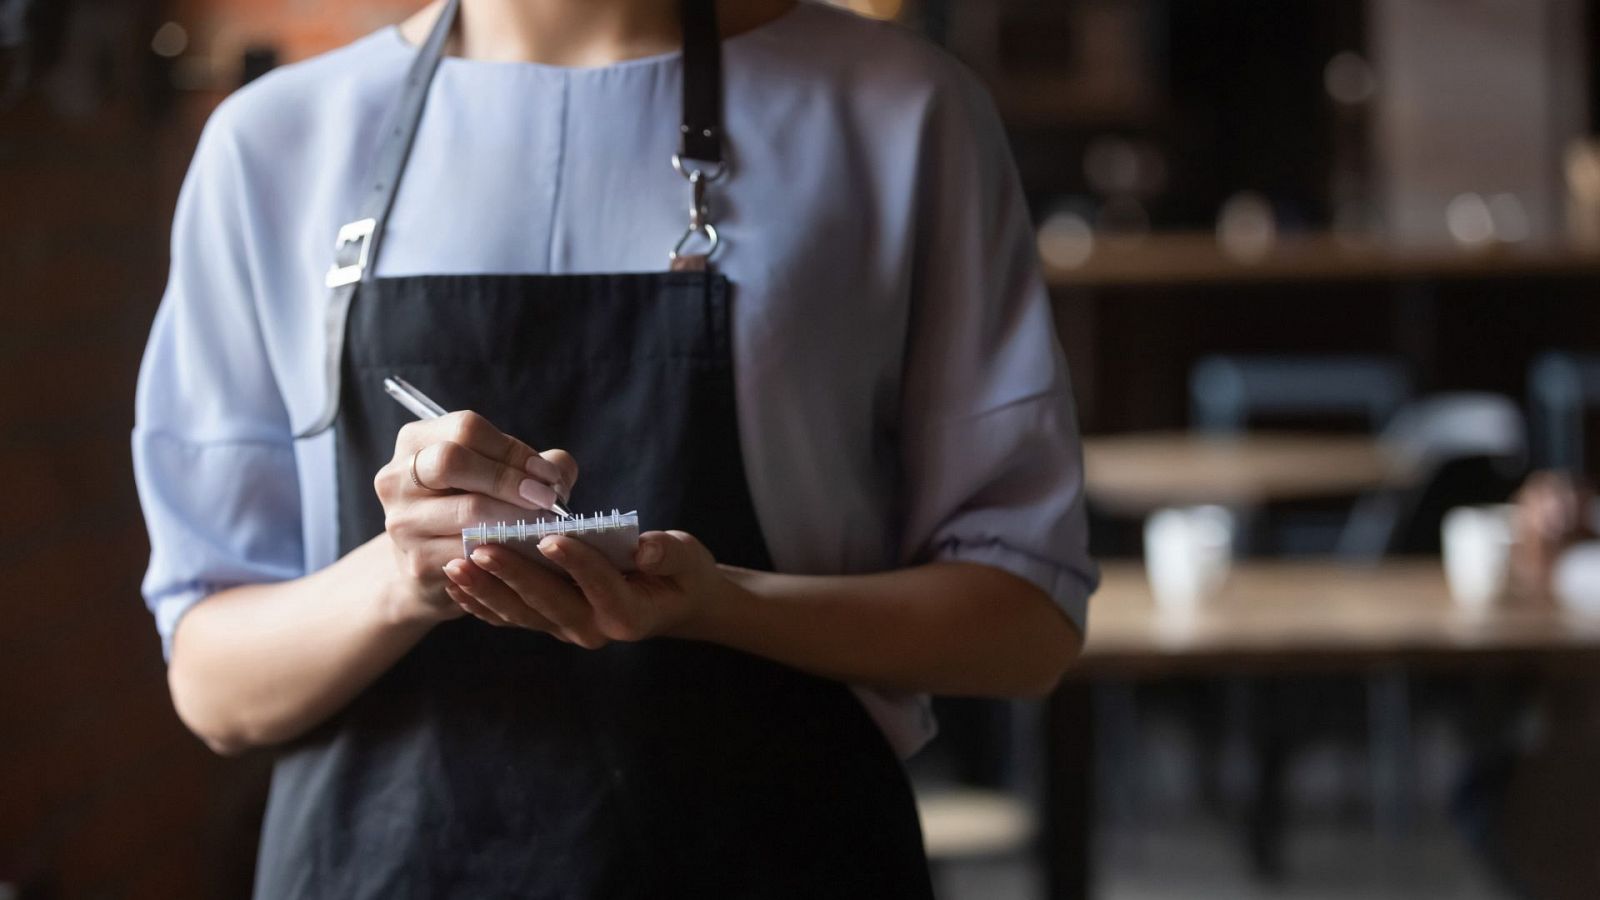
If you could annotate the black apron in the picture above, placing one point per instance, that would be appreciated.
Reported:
(497, 762)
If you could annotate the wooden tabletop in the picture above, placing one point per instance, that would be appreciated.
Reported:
(1133, 474)
(1287, 615)
(1190, 258)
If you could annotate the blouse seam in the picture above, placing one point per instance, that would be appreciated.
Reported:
(1037, 397)
(173, 438)
(559, 177)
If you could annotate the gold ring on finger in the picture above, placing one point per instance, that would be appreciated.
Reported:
(414, 479)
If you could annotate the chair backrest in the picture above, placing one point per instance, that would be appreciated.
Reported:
(1458, 481)
(1561, 388)
(1441, 427)
(1228, 393)
(1464, 448)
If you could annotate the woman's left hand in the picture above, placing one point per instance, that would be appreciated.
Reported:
(677, 581)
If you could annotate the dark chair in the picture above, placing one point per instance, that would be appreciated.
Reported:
(1562, 388)
(1228, 394)
(1461, 448)
(1231, 393)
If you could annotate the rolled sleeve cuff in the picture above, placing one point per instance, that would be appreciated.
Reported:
(169, 608)
(1069, 588)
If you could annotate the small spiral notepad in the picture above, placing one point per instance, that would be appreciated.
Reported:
(616, 535)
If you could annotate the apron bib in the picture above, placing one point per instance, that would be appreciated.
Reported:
(497, 762)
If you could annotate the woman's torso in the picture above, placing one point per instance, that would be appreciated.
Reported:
(525, 168)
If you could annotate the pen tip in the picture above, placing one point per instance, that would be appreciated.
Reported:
(561, 510)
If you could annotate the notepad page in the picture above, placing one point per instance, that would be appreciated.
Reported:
(615, 535)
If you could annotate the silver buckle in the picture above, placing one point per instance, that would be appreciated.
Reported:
(359, 230)
(699, 220)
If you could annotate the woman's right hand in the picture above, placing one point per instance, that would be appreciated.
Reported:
(470, 472)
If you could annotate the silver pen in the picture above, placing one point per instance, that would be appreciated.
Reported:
(423, 407)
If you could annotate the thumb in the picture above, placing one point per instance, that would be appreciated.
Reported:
(668, 553)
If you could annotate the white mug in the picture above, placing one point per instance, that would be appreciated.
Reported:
(1187, 554)
(1476, 541)
(1576, 579)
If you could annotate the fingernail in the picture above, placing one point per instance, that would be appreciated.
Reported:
(535, 492)
(549, 547)
(453, 571)
(650, 553)
(484, 560)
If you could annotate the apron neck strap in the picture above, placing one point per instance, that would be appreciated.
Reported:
(357, 244)
(700, 135)
(356, 249)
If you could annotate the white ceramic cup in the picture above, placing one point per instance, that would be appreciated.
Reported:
(1477, 553)
(1576, 579)
(1187, 554)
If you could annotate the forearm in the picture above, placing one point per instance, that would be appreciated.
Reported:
(944, 628)
(260, 664)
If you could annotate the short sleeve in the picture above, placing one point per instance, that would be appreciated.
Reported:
(213, 452)
(989, 440)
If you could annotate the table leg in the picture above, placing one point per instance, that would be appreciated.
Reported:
(1069, 793)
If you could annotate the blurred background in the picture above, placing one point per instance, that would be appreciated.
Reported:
(1325, 274)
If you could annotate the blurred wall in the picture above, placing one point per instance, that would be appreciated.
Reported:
(1478, 98)
(223, 29)
(103, 793)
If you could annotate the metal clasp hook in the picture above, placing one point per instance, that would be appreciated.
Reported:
(699, 215)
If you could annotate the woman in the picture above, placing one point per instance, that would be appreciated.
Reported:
(848, 376)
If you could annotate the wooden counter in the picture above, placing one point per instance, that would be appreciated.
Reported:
(1285, 616)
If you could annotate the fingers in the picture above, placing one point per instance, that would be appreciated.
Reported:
(604, 606)
(669, 553)
(452, 466)
(463, 451)
(472, 607)
(594, 574)
(446, 515)
(526, 584)
(564, 468)
(490, 599)
(606, 590)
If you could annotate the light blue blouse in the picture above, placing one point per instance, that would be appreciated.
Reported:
(901, 391)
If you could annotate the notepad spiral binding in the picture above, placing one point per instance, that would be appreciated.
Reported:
(614, 534)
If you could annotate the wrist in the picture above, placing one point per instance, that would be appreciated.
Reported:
(398, 608)
(721, 605)
(397, 604)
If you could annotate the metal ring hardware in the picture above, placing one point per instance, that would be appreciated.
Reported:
(357, 232)
(712, 240)
(699, 215)
(689, 172)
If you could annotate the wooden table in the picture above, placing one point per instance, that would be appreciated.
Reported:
(1279, 618)
(1288, 615)
(1188, 258)
(1134, 474)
